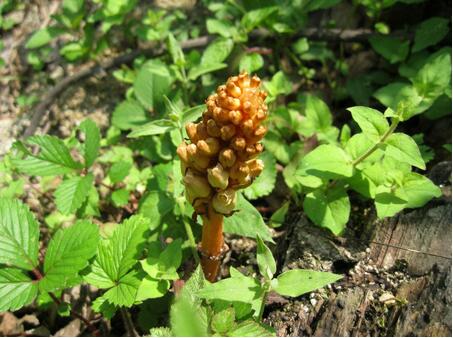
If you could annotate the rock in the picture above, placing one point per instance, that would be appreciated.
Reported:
(70, 330)
(10, 325)
(387, 298)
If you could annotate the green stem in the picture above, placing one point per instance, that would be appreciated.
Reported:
(389, 132)
(263, 303)
(189, 232)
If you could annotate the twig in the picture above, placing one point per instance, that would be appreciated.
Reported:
(129, 325)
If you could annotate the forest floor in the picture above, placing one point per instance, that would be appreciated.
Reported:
(397, 272)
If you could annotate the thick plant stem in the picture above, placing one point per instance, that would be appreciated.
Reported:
(211, 244)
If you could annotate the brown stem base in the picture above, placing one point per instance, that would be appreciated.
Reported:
(211, 244)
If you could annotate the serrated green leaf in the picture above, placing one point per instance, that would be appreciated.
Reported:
(265, 182)
(125, 290)
(92, 141)
(430, 32)
(223, 321)
(326, 161)
(371, 121)
(19, 235)
(102, 305)
(153, 81)
(165, 264)
(240, 223)
(202, 69)
(117, 255)
(72, 192)
(296, 282)
(265, 259)
(129, 115)
(329, 209)
(119, 170)
(43, 36)
(68, 253)
(251, 62)
(402, 147)
(160, 332)
(250, 328)
(53, 158)
(317, 112)
(16, 289)
(155, 127)
(120, 197)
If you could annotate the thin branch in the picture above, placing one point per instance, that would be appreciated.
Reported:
(129, 325)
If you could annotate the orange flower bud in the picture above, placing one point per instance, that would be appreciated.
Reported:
(227, 157)
(196, 186)
(227, 132)
(212, 128)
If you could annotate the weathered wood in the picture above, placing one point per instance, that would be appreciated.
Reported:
(397, 280)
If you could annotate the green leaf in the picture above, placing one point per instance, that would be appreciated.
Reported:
(16, 289)
(251, 62)
(255, 17)
(152, 288)
(119, 170)
(223, 321)
(217, 51)
(72, 192)
(160, 332)
(317, 112)
(239, 288)
(402, 147)
(250, 328)
(164, 266)
(239, 223)
(125, 290)
(175, 50)
(371, 121)
(433, 79)
(265, 182)
(187, 316)
(192, 114)
(419, 190)
(328, 209)
(222, 27)
(430, 32)
(391, 48)
(155, 127)
(279, 84)
(326, 161)
(278, 217)
(265, 259)
(152, 83)
(294, 283)
(92, 141)
(43, 36)
(53, 158)
(19, 235)
(202, 69)
(117, 255)
(120, 197)
(359, 144)
(129, 115)
(389, 201)
(68, 252)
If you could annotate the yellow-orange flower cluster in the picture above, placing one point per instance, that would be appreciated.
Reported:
(221, 157)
